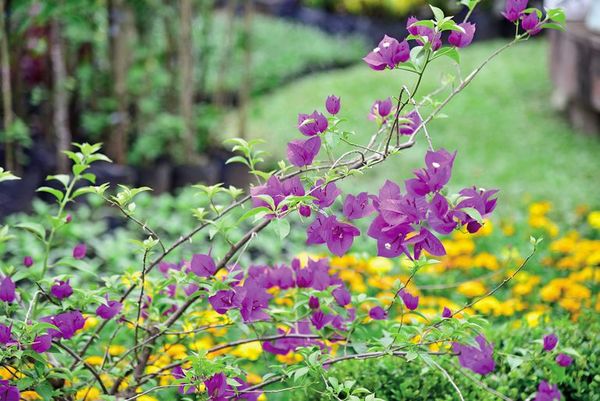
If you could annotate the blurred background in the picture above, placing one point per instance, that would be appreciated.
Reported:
(162, 83)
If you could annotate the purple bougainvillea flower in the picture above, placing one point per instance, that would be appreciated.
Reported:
(282, 277)
(388, 54)
(446, 313)
(391, 240)
(381, 109)
(513, 9)
(314, 232)
(531, 23)
(312, 124)
(439, 217)
(320, 319)
(434, 176)
(252, 301)
(277, 190)
(341, 296)
(332, 104)
(425, 240)
(203, 265)
(61, 290)
(7, 290)
(27, 261)
(410, 301)
(462, 39)
(435, 38)
(378, 313)
(217, 388)
(42, 343)
(547, 392)
(477, 359)
(79, 251)
(313, 303)
(564, 360)
(67, 323)
(109, 310)
(8, 392)
(359, 206)
(480, 200)
(408, 128)
(550, 341)
(320, 274)
(325, 196)
(223, 301)
(302, 153)
(338, 236)
(5, 334)
(405, 209)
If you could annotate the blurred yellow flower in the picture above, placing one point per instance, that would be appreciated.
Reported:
(30, 396)
(379, 265)
(88, 394)
(94, 360)
(594, 219)
(251, 351)
(472, 289)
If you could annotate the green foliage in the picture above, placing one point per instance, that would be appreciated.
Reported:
(395, 379)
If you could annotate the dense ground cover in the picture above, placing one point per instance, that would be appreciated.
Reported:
(503, 126)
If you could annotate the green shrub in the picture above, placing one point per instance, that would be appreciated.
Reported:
(518, 381)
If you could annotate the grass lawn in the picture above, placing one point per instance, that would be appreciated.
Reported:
(503, 126)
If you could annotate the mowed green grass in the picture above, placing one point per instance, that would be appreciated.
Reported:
(503, 126)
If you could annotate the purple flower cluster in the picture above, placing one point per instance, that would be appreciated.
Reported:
(252, 297)
(517, 9)
(8, 392)
(390, 52)
(7, 290)
(547, 392)
(409, 218)
(217, 387)
(67, 323)
(479, 359)
(277, 190)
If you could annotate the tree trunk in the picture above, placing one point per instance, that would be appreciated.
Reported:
(227, 50)
(60, 97)
(246, 86)
(7, 109)
(186, 78)
(120, 31)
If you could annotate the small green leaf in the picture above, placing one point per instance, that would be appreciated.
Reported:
(37, 229)
(53, 191)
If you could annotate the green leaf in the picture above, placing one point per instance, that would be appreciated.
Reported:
(283, 228)
(557, 15)
(550, 25)
(437, 13)
(53, 191)
(253, 212)
(37, 229)
(62, 178)
(474, 213)
(7, 175)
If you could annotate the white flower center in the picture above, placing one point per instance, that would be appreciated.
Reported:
(376, 50)
(386, 44)
(435, 164)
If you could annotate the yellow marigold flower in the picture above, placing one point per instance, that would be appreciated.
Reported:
(577, 291)
(594, 219)
(540, 208)
(9, 373)
(116, 349)
(533, 318)
(565, 244)
(472, 289)
(88, 394)
(486, 260)
(343, 261)
(570, 304)
(489, 306)
(552, 291)
(176, 351)
(94, 360)
(251, 351)
(379, 265)
(290, 358)
(146, 397)
(262, 397)
(30, 396)
(354, 280)
(90, 322)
